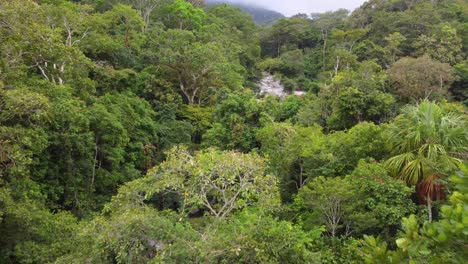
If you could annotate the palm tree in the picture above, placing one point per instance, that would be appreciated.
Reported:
(428, 141)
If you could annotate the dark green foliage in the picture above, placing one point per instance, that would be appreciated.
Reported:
(253, 237)
(236, 122)
(134, 237)
(365, 140)
(388, 199)
(289, 84)
(435, 242)
(458, 90)
(133, 131)
(239, 32)
(365, 202)
(32, 234)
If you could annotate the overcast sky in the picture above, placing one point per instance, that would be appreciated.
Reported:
(292, 7)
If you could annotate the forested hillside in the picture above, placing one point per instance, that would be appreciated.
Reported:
(260, 15)
(133, 131)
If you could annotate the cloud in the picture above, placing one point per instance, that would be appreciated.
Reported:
(292, 7)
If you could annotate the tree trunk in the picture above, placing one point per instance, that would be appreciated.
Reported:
(127, 38)
(94, 165)
(185, 91)
(301, 174)
(337, 65)
(429, 207)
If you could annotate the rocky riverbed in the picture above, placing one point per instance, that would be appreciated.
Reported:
(269, 85)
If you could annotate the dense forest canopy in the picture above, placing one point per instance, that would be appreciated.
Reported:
(133, 131)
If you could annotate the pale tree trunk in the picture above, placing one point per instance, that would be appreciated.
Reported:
(332, 212)
(337, 65)
(186, 93)
(429, 207)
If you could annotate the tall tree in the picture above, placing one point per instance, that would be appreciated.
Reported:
(421, 78)
(218, 182)
(442, 241)
(198, 67)
(428, 141)
(145, 8)
(326, 22)
(394, 41)
(183, 15)
(444, 45)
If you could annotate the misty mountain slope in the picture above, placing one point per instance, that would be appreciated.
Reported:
(260, 15)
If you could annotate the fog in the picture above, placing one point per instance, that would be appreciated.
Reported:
(292, 7)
